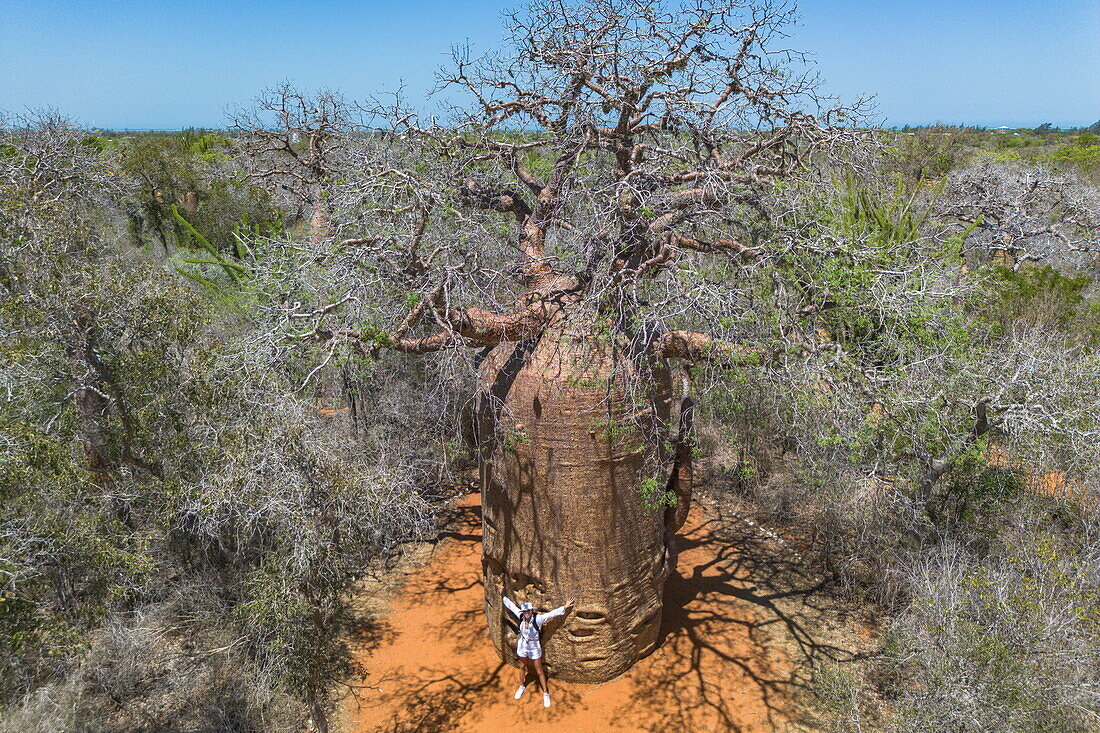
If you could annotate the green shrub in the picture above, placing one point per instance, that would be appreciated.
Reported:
(1037, 296)
(927, 153)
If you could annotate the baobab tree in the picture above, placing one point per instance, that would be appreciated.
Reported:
(295, 143)
(581, 220)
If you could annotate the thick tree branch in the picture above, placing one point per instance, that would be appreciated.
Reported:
(694, 346)
(504, 201)
(464, 327)
(743, 252)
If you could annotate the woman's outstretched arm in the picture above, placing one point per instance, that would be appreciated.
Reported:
(511, 606)
(560, 611)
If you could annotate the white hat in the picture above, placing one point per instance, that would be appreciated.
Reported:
(526, 607)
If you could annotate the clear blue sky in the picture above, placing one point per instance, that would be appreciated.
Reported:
(161, 64)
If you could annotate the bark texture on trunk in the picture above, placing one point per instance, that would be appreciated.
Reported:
(320, 222)
(564, 451)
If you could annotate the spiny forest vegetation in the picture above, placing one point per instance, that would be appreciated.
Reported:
(240, 368)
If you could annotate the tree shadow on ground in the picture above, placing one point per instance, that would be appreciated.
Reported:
(739, 600)
(743, 626)
(438, 704)
(365, 633)
(431, 688)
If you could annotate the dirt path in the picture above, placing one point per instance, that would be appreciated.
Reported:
(741, 626)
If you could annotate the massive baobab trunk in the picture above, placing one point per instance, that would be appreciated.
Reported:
(565, 451)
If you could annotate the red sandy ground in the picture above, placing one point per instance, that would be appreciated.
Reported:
(741, 627)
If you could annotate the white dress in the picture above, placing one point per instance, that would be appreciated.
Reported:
(528, 645)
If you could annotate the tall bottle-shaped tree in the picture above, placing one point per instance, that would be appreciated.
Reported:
(579, 221)
(295, 144)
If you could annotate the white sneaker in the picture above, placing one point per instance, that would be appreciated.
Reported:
(546, 699)
(520, 691)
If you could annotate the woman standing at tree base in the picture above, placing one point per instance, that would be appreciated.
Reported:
(529, 645)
